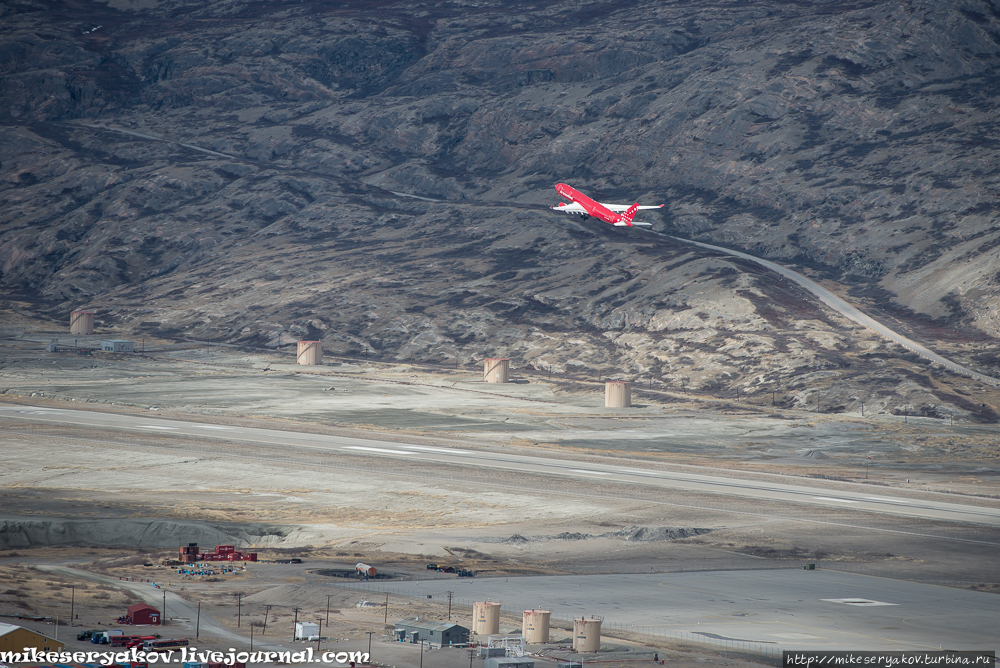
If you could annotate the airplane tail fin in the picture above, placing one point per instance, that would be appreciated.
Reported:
(630, 214)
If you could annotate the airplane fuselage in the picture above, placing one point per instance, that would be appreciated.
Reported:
(595, 209)
(619, 215)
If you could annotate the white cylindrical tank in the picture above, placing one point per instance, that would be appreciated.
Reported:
(485, 618)
(310, 353)
(535, 625)
(617, 394)
(81, 322)
(365, 569)
(587, 635)
(496, 370)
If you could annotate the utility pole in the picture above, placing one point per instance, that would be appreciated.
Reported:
(386, 620)
(267, 609)
(295, 622)
(449, 605)
(772, 398)
(72, 605)
(370, 634)
(867, 464)
(163, 615)
(251, 634)
(197, 624)
(239, 607)
(421, 654)
(328, 609)
(319, 636)
(862, 409)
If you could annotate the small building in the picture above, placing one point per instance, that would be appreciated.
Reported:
(143, 613)
(117, 346)
(52, 346)
(306, 630)
(441, 634)
(15, 638)
(508, 662)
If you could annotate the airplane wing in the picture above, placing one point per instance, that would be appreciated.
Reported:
(571, 208)
(634, 224)
(617, 208)
(620, 208)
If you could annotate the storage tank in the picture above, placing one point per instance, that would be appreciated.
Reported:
(587, 635)
(365, 569)
(496, 370)
(310, 353)
(535, 625)
(617, 394)
(81, 322)
(485, 618)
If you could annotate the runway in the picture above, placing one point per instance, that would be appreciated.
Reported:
(780, 609)
(613, 470)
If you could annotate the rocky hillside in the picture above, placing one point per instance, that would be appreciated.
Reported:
(376, 174)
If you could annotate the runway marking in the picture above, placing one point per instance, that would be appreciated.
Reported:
(886, 500)
(430, 449)
(855, 633)
(590, 472)
(210, 426)
(862, 602)
(384, 450)
(635, 472)
(830, 498)
(154, 426)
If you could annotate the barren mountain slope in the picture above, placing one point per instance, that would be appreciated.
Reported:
(854, 138)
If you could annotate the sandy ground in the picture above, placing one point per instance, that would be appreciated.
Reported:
(75, 486)
(534, 411)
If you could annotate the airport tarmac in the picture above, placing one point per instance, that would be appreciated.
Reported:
(783, 609)
(612, 470)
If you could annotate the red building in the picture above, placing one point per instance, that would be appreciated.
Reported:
(143, 613)
(189, 554)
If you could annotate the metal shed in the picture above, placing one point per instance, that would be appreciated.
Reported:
(118, 346)
(142, 613)
(508, 662)
(441, 634)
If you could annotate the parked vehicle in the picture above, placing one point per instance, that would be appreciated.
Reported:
(130, 641)
(87, 635)
(104, 637)
(140, 642)
(165, 644)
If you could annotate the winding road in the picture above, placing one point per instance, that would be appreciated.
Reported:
(826, 296)
(848, 311)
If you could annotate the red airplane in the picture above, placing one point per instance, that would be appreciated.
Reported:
(619, 215)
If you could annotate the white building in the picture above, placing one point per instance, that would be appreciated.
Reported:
(118, 346)
(306, 630)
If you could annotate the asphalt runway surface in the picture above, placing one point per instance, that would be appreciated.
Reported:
(782, 609)
(860, 499)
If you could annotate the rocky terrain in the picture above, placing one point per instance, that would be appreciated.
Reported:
(376, 175)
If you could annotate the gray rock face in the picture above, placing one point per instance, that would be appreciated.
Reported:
(16, 533)
(254, 173)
